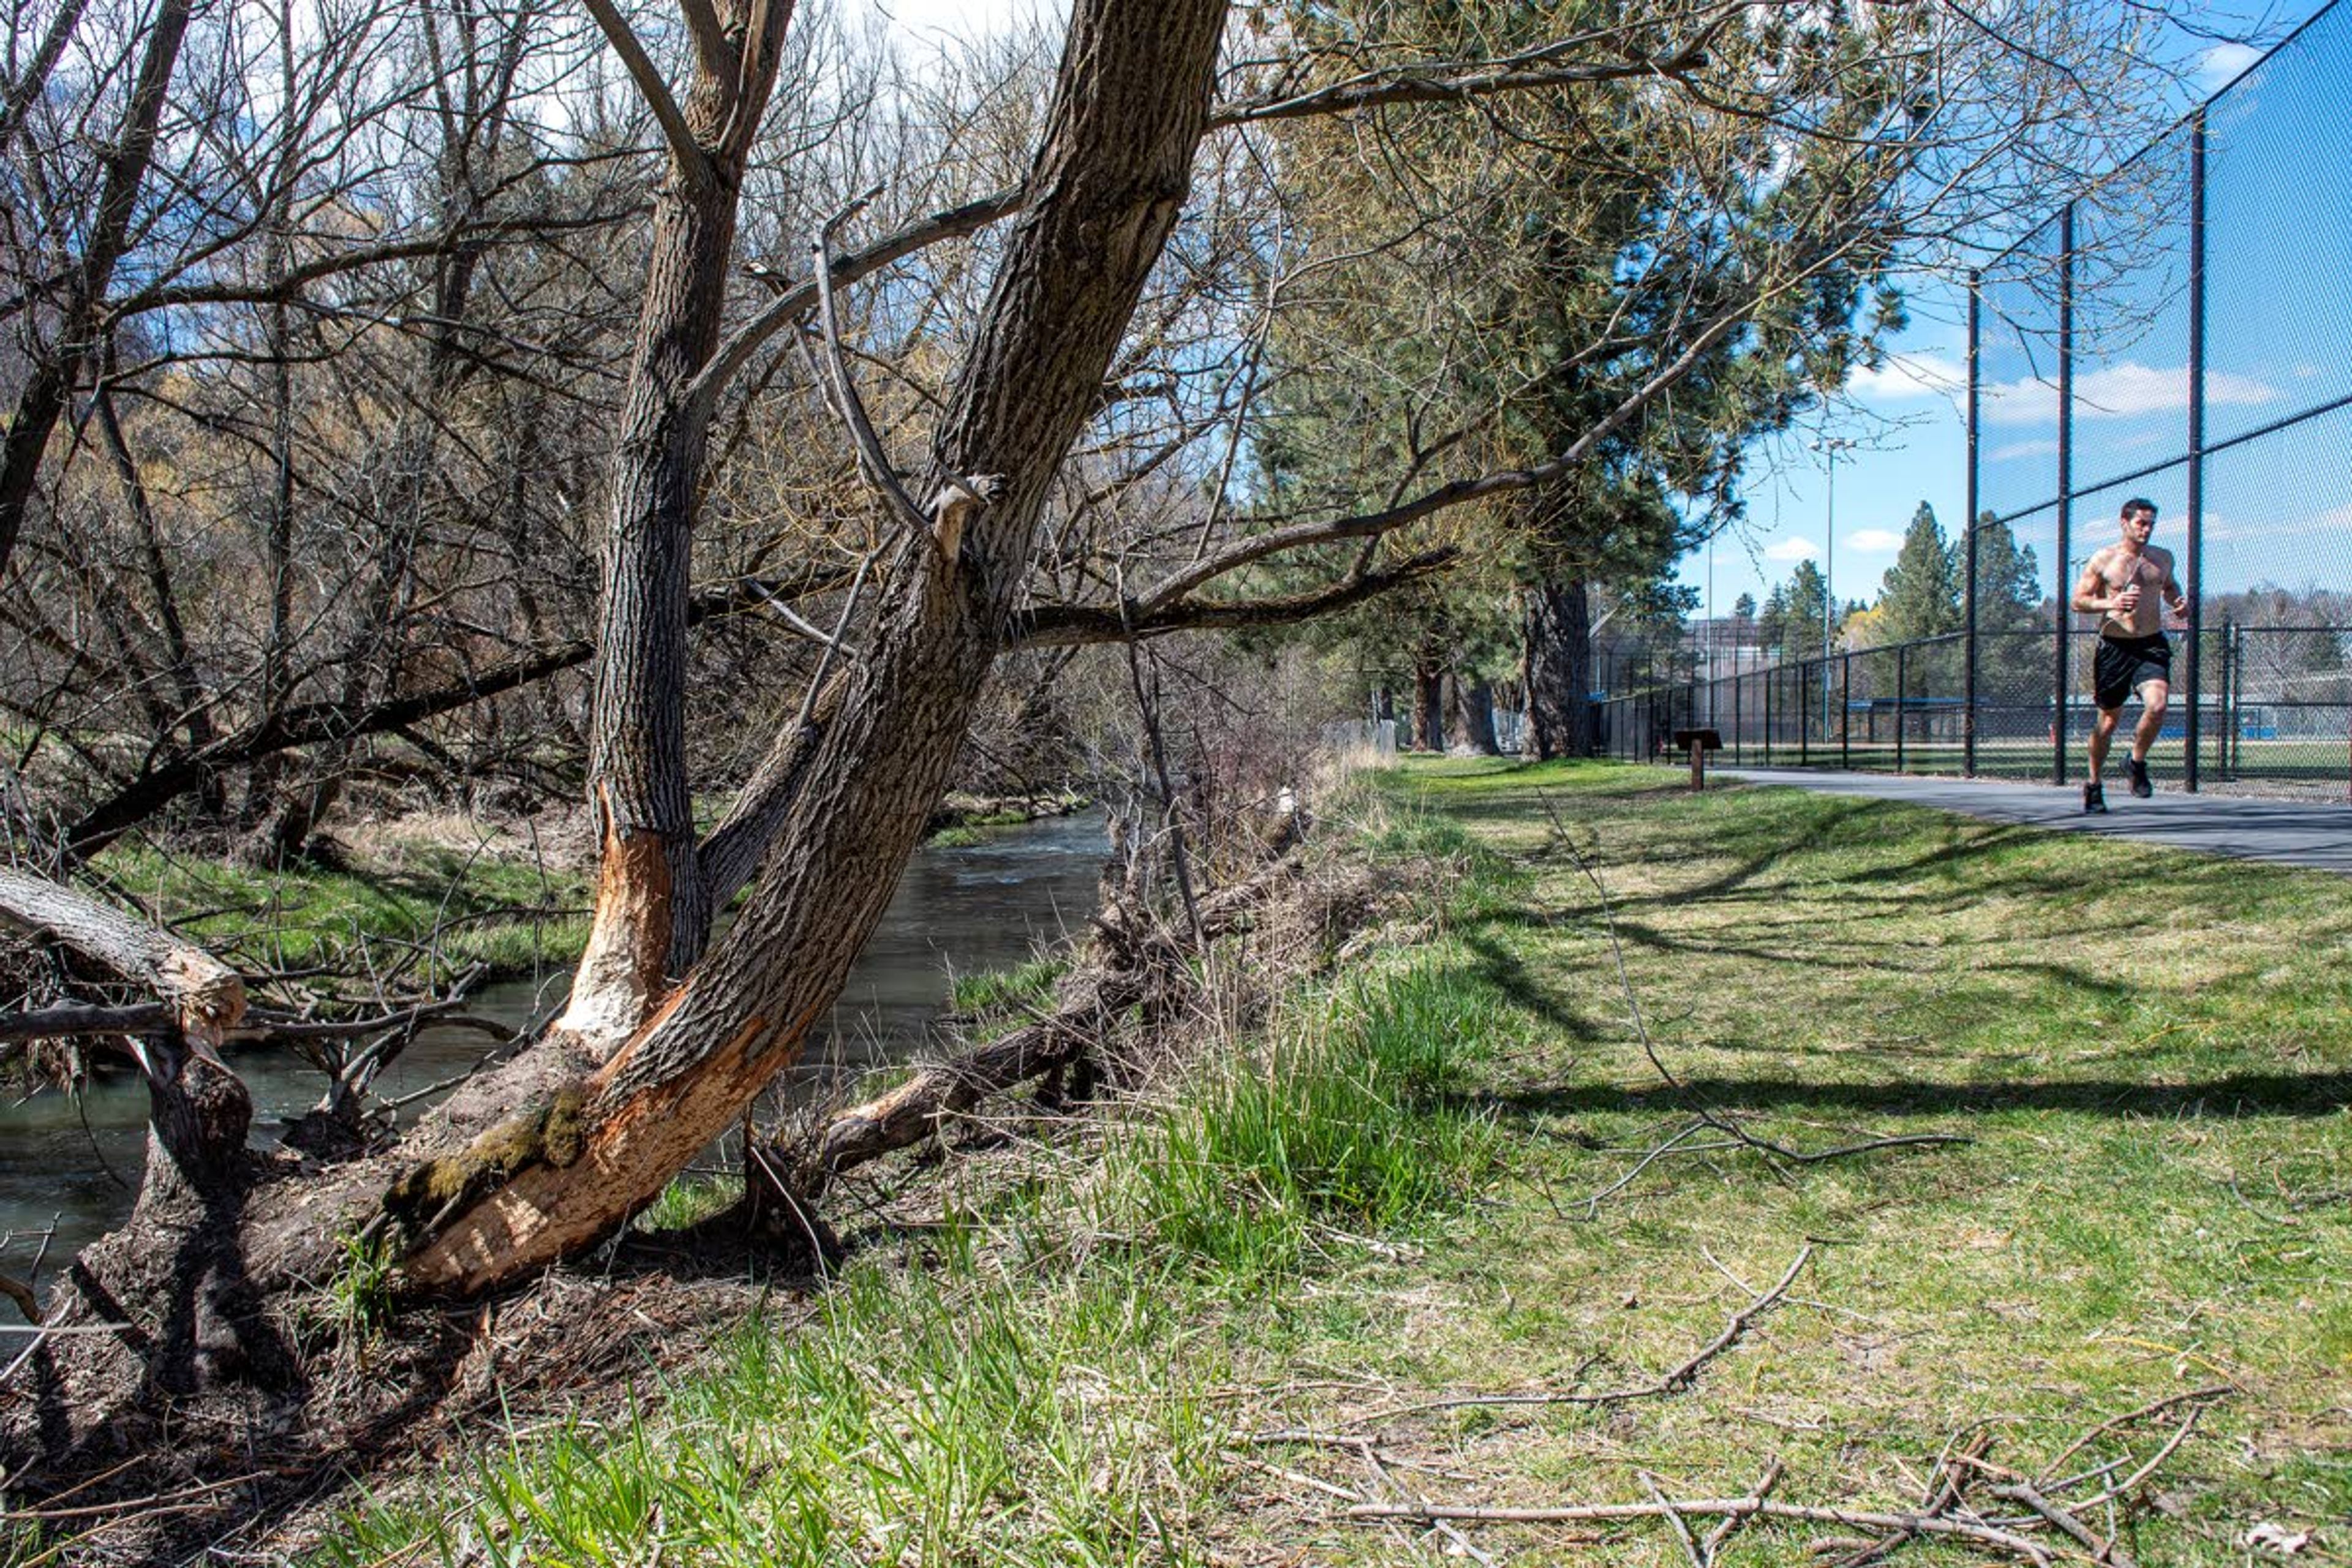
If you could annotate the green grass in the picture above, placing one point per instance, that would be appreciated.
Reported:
(1385, 1199)
(1024, 985)
(444, 909)
(2148, 1049)
(960, 1414)
(1344, 1122)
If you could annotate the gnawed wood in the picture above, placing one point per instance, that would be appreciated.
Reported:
(204, 997)
(626, 960)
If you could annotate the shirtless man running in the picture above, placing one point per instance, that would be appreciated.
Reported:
(2120, 584)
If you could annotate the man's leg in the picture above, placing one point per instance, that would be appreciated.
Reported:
(2103, 731)
(2153, 696)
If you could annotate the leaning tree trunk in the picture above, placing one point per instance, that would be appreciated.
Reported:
(555, 1150)
(1557, 653)
(1111, 175)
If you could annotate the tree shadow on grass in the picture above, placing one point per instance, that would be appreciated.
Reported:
(2230, 1095)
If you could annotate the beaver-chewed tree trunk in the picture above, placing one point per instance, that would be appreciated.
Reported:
(1114, 167)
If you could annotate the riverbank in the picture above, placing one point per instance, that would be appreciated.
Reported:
(436, 895)
(1944, 1157)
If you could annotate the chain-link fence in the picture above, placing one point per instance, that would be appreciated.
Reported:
(2182, 336)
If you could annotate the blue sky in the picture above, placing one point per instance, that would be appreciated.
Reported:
(1908, 433)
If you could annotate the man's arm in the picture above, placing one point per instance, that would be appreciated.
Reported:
(2091, 588)
(2175, 596)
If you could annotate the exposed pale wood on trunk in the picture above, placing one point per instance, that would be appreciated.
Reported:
(1112, 172)
(636, 766)
(206, 997)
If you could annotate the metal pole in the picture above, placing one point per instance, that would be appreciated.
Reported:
(2065, 479)
(1902, 655)
(1805, 721)
(2196, 583)
(1829, 582)
(1845, 707)
(1969, 587)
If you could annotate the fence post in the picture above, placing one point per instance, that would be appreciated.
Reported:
(1767, 718)
(1969, 588)
(1805, 714)
(2065, 480)
(1901, 658)
(1845, 708)
(2228, 706)
(1739, 729)
(2195, 440)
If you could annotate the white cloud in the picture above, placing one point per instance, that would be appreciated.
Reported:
(2119, 391)
(2017, 449)
(1791, 549)
(1928, 375)
(2220, 63)
(1875, 538)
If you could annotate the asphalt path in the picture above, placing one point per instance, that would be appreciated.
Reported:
(2292, 833)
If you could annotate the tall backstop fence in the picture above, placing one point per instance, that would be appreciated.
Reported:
(2184, 335)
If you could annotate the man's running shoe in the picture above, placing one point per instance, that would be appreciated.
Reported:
(2095, 799)
(2140, 785)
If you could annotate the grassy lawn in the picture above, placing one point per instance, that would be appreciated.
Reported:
(1091, 1349)
(2150, 1052)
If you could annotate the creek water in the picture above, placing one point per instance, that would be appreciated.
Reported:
(74, 1160)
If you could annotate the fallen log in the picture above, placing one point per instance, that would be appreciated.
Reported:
(1129, 959)
(204, 997)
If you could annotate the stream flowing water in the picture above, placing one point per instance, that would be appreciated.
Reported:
(75, 1159)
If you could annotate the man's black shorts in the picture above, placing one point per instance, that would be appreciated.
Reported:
(2125, 662)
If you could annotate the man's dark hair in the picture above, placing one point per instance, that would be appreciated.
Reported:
(2137, 503)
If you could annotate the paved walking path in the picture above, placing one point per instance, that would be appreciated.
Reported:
(2293, 833)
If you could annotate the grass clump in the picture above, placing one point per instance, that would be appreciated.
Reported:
(1345, 1118)
(1024, 985)
(469, 908)
(688, 1200)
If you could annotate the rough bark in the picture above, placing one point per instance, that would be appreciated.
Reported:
(178, 1259)
(650, 908)
(1474, 715)
(1112, 172)
(1429, 700)
(1557, 627)
(205, 996)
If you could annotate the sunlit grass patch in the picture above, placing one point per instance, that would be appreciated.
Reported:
(958, 1414)
(1029, 984)
(1341, 1120)
(440, 910)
